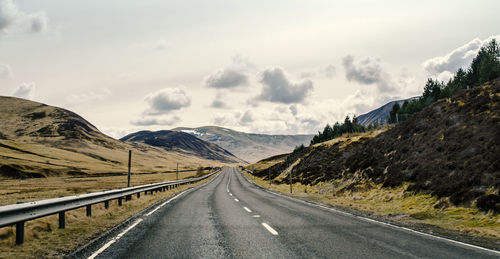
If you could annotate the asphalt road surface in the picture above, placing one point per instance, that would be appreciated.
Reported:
(231, 218)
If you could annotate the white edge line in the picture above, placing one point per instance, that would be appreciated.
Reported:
(230, 194)
(236, 200)
(108, 244)
(270, 229)
(247, 209)
(379, 222)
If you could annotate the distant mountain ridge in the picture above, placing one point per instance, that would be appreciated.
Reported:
(182, 142)
(250, 147)
(380, 114)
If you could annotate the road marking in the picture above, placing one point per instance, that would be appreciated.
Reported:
(230, 194)
(270, 229)
(165, 203)
(255, 216)
(227, 185)
(236, 200)
(108, 244)
(373, 220)
(247, 209)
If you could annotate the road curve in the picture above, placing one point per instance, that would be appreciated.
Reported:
(231, 218)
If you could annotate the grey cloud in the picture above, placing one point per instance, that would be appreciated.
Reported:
(330, 71)
(459, 57)
(11, 16)
(156, 121)
(277, 88)
(218, 102)
(8, 13)
(367, 71)
(25, 91)
(226, 78)
(247, 118)
(168, 99)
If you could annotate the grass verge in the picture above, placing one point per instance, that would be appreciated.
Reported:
(43, 239)
(421, 211)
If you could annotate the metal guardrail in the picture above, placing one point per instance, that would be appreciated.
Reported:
(19, 213)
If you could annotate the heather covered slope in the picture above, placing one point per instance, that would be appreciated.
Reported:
(450, 150)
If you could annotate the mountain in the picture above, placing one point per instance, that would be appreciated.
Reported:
(449, 150)
(380, 114)
(182, 142)
(38, 140)
(248, 146)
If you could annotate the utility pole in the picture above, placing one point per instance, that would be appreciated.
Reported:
(129, 165)
(177, 172)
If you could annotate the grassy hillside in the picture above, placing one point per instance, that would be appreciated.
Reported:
(37, 140)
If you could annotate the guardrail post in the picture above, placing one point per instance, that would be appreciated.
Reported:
(120, 201)
(138, 195)
(145, 192)
(89, 210)
(128, 197)
(106, 204)
(62, 220)
(19, 233)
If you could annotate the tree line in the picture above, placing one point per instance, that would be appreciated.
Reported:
(484, 67)
(348, 126)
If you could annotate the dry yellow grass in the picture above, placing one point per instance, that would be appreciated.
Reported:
(397, 205)
(43, 239)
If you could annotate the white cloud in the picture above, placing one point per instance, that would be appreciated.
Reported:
(25, 91)
(167, 100)
(11, 18)
(277, 87)
(460, 57)
(5, 71)
(152, 121)
(88, 96)
(226, 78)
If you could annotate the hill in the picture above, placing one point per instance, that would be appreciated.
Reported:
(248, 146)
(38, 140)
(182, 142)
(379, 115)
(449, 150)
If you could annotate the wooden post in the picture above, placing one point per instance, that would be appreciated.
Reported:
(129, 164)
(177, 171)
(62, 220)
(20, 233)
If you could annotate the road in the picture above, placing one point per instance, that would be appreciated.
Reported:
(231, 218)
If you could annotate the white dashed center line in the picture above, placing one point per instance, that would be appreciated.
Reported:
(236, 200)
(270, 229)
(247, 209)
(255, 216)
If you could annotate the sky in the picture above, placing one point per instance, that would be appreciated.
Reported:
(274, 66)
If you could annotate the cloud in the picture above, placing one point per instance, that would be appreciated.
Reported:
(150, 121)
(278, 89)
(99, 95)
(330, 71)
(25, 91)
(218, 102)
(167, 100)
(367, 71)
(12, 18)
(247, 118)
(458, 58)
(226, 78)
(5, 72)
